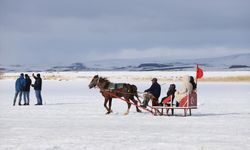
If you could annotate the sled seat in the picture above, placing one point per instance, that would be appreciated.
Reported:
(188, 102)
(154, 102)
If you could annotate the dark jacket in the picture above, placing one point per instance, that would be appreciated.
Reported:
(38, 83)
(155, 89)
(27, 85)
(171, 92)
(193, 83)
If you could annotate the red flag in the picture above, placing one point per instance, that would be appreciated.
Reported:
(199, 72)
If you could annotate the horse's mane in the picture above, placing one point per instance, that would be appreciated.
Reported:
(104, 79)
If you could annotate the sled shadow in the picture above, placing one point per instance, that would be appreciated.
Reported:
(219, 114)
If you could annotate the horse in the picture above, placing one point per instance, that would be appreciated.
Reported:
(125, 90)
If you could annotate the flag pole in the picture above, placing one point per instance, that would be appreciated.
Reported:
(196, 78)
(196, 73)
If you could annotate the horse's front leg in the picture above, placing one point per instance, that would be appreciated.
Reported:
(105, 105)
(129, 105)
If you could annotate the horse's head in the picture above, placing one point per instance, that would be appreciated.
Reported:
(94, 82)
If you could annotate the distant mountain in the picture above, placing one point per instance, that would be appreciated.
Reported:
(148, 65)
(242, 61)
(232, 62)
(238, 66)
(72, 67)
(226, 61)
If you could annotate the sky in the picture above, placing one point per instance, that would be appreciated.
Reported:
(67, 31)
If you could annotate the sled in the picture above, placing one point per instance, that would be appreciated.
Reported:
(187, 103)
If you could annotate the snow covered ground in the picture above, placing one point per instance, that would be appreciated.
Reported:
(74, 118)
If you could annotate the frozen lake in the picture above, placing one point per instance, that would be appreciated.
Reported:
(74, 118)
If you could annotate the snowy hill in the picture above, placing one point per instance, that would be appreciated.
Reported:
(72, 67)
(232, 62)
(227, 61)
(236, 62)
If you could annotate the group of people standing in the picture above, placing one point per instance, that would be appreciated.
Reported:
(22, 89)
(154, 92)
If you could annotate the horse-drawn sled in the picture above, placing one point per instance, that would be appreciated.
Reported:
(128, 92)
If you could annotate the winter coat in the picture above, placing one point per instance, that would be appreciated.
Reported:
(186, 89)
(27, 85)
(155, 90)
(171, 91)
(193, 83)
(20, 84)
(38, 83)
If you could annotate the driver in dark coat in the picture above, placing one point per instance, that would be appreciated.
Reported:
(153, 93)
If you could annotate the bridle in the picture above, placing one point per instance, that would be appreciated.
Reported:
(98, 81)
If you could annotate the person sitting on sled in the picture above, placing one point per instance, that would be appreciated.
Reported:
(153, 93)
(186, 89)
(171, 92)
(193, 83)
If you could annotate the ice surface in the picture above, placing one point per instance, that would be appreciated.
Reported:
(74, 118)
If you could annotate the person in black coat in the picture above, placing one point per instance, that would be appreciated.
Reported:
(38, 88)
(171, 92)
(153, 93)
(26, 91)
(193, 83)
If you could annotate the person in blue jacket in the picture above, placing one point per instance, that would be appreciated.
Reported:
(153, 93)
(20, 84)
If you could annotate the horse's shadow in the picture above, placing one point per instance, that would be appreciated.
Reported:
(65, 104)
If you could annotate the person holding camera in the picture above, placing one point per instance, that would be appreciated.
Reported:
(38, 88)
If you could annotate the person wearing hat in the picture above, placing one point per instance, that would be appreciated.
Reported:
(153, 93)
(38, 88)
(19, 86)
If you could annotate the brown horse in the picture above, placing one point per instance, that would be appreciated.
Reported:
(127, 91)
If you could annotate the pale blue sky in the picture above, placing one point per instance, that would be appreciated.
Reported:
(66, 31)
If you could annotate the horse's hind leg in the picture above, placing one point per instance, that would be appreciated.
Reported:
(129, 105)
(136, 95)
(135, 102)
(110, 105)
